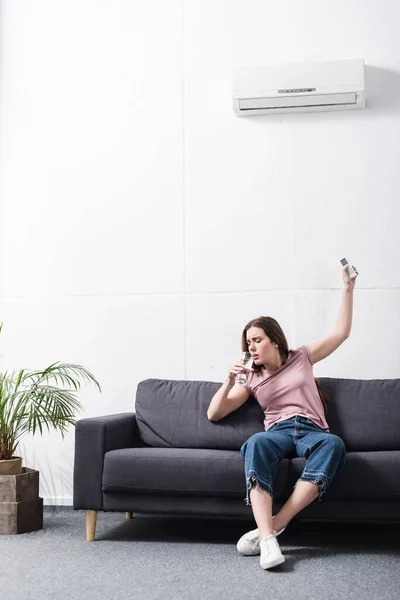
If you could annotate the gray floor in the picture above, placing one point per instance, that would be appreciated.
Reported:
(168, 558)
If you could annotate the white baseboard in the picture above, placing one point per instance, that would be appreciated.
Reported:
(57, 501)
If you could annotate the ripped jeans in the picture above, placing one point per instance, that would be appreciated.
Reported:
(325, 453)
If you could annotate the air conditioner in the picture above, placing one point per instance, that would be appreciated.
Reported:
(299, 87)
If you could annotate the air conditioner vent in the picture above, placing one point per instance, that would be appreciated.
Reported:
(297, 101)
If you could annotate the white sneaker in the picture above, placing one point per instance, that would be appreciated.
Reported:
(271, 555)
(249, 543)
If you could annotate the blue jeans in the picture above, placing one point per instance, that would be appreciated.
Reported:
(325, 453)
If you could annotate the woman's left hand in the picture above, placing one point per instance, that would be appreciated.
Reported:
(350, 283)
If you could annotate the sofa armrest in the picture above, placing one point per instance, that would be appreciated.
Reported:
(93, 438)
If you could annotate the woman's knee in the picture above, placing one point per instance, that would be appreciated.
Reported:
(337, 447)
(249, 442)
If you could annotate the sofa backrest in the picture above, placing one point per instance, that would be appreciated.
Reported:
(365, 413)
(173, 413)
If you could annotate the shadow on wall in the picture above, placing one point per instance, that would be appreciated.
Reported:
(382, 89)
(59, 487)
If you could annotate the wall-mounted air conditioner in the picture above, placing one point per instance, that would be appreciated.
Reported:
(299, 87)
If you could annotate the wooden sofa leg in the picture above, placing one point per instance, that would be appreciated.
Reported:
(91, 517)
(129, 515)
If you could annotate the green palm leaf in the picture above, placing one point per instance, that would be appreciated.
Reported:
(33, 400)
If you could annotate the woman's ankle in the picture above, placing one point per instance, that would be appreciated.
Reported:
(278, 523)
(262, 533)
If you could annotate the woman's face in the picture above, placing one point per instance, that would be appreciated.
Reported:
(260, 346)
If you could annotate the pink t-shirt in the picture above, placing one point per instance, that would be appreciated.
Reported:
(289, 391)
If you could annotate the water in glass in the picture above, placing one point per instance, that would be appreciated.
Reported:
(247, 363)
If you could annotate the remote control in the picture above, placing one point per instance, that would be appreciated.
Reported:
(351, 272)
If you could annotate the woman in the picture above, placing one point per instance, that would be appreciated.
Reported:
(294, 406)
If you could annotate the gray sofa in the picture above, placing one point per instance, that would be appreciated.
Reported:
(168, 458)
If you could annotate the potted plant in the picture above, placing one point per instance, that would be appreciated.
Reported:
(31, 400)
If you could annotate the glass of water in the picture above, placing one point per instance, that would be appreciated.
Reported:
(247, 363)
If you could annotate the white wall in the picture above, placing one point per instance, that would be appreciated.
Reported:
(143, 224)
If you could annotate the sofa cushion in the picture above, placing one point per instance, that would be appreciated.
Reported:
(176, 471)
(174, 414)
(365, 476)
(365, 413)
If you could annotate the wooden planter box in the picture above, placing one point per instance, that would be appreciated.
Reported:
(21, 509)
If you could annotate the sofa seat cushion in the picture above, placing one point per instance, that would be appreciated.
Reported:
(180, 471)
(365, 476)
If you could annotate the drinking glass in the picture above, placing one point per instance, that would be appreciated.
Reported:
(247, 363)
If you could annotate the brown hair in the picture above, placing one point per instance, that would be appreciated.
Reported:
(274, 331)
